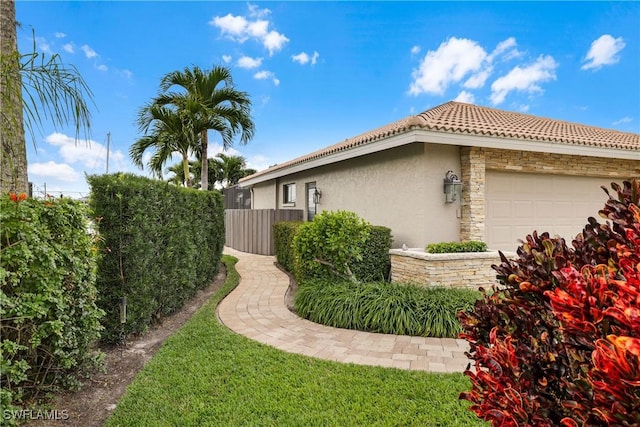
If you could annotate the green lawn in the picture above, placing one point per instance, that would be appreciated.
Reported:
(206, 375)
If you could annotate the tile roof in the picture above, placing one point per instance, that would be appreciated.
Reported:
(460, 118)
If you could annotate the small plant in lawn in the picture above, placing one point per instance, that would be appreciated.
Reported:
(560, 343)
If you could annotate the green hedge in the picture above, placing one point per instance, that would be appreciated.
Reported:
(162, 243)
(374, 265)
(50, 320)
(457, 247)
(283, 234)
(376, 262)
(382, 307)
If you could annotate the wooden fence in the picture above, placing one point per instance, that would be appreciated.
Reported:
(251, 230)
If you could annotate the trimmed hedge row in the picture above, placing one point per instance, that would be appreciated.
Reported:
(456, 247)
(382, 307)
(283, 234)
(50, 320)
(375, 263)
(161, 244)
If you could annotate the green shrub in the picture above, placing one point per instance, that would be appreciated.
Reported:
(283, 234)
(382, 307)
(456, 247)
(329, 245)
(162, 243)
(376, 262)
(48, 297)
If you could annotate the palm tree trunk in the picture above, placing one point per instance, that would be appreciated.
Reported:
(185, 168)
(13, 153)
(204, 176)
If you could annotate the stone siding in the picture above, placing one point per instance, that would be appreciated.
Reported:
(475, 161)
(472, 175)
(461, 270)
(560, 164)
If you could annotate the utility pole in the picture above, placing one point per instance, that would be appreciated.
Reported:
(108, 143)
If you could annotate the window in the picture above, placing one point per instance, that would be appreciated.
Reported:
(289, 193)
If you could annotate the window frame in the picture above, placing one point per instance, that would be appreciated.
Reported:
(289, 194)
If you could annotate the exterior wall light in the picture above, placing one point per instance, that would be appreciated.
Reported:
(317, 195)
(452, 187)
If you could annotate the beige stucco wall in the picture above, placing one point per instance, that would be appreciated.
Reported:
(400, 188)
(263, 195)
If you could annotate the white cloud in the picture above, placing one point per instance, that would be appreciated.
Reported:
(524, 79)
(274, 41)
(264, 75)
(604, 51)
(622, 120)
(44, 45)
(102, 67)
(89, 53)
(226, 58)
(127, 74)
(60, 35)
(248, 62)
(256, 12)
(240, 29)
(303, 58)
(465, 97)
(415, 50)
(91, 154)
(478, 80)
(451, 62)
(523, 108)
(505, 47)
(68, 48)
(50, 169)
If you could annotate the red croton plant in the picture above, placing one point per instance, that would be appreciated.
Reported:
(558, 343)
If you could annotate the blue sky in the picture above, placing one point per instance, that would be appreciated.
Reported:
(320, 72)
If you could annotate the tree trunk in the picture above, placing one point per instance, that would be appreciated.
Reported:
(185, 169)
(204, 175)
(13, 153)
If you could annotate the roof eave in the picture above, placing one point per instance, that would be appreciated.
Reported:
(445, 138)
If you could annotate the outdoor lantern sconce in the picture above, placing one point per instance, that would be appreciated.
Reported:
(317, 195)
(452, 186)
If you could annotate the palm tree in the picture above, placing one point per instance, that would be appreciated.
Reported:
(168, 131)
(233, 169)
(47, 84)
(221, 107)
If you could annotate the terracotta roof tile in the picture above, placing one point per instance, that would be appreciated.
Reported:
(461, 118)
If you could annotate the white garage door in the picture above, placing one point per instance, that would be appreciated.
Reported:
(518, 203)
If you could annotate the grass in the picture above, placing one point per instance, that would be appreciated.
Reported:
(206, 375)
(383, 307)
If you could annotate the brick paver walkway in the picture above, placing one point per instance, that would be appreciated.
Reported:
(257, 309)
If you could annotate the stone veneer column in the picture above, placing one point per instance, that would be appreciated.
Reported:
(472, 163)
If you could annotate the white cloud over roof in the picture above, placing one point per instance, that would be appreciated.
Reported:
(603, 51)
(524, 79)
(453, 60)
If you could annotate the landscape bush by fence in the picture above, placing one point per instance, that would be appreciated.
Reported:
(283, 234)
(50, 320)
(368, 261)
(161, 244)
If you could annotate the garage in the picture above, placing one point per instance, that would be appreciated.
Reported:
(518, 203)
